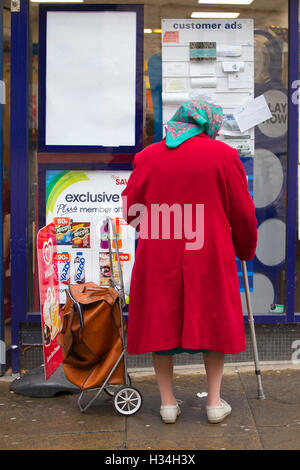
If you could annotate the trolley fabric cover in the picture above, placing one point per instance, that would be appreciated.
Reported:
(91, 336)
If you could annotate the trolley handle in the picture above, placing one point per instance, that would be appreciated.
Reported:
(77, 307)
(112, 227)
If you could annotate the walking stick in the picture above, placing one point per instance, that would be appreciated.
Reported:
(260, 391)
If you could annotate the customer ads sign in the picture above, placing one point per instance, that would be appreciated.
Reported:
(49, 298)
(79, 203)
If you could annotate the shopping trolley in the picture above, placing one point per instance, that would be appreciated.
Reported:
(127, 400)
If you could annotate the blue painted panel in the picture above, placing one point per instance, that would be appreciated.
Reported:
(155, 79)
(293, 162)
(18, 174)
(2, 366)
(284, 147)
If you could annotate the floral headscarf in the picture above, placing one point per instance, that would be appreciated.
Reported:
(193, 118)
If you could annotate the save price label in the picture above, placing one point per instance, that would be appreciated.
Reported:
(62, 220)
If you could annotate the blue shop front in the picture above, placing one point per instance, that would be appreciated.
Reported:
(77, 72)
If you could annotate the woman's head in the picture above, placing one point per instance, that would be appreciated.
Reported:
(192, 118)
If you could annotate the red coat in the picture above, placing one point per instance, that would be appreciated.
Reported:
(190, 298)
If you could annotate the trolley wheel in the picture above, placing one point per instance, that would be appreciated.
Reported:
(127, 400)
(111, 389)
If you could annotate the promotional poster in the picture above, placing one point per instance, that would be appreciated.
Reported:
(49, 298)
(78, 203)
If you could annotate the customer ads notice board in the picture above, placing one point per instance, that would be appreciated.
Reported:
(212, 60)
(79, 202)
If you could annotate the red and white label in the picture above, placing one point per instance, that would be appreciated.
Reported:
(49, 297)
(62, 220)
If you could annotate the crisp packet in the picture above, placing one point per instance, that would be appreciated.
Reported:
(63, 229)
(81, 232)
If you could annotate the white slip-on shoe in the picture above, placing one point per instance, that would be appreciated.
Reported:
(170, 413)
(216, 414)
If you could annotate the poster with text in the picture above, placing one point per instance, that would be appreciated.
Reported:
(49, 298)
(78, 203)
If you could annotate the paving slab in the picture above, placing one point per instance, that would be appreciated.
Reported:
(235, 442)
(56, 423)
(192, 428)
(282, 403)
(67, 441)
(277, 417)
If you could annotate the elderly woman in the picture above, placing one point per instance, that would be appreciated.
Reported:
(188, 197)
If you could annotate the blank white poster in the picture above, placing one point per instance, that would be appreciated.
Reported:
(91, 78)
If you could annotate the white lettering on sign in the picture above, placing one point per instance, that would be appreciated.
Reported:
(48, 251)
(276, 126)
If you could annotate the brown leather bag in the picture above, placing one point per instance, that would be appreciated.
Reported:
(90, 336)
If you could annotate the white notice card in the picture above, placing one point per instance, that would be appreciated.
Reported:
(233, 66)
(253, 113)
(240, 80)
(2, 92)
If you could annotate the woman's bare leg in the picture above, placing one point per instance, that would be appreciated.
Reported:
(214, 366)
(163, 366)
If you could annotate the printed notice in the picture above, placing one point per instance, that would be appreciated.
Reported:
(175, 69)
(2, 92)
(207, 82)
(225, 50)
(205, 69)
(252, 113)
(173, 85)
(203, 94)
(200, 51)
(233, 66)
(240, 80)
(171, 36)
(230, 126)
(175, 98)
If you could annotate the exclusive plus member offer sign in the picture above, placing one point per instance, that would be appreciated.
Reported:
(49, 297)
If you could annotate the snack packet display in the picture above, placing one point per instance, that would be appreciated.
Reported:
(105, 269)
(63, 229)
(81, 232)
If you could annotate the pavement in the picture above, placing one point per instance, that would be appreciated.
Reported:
(56, 423)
